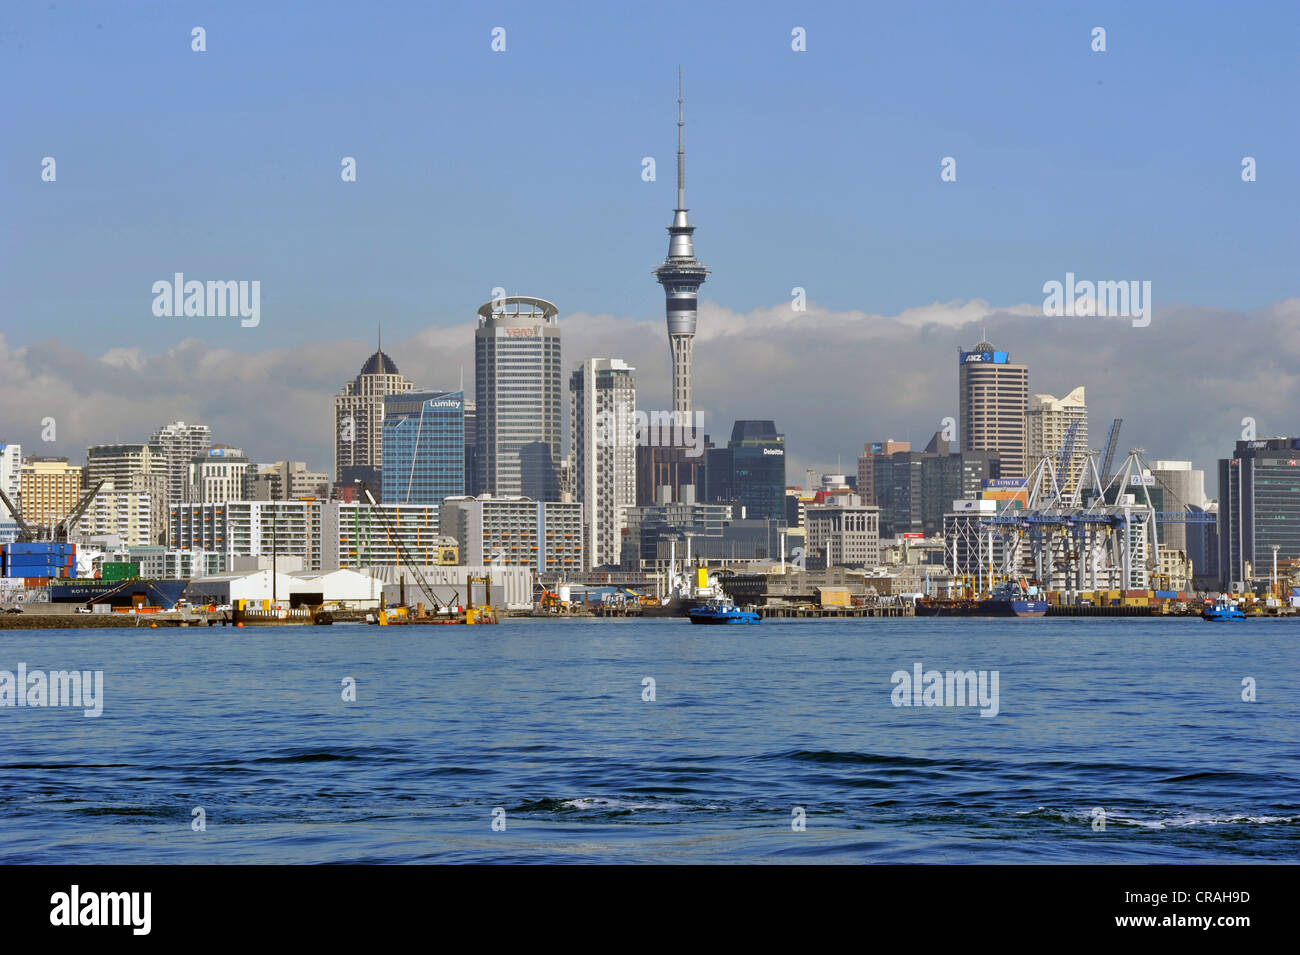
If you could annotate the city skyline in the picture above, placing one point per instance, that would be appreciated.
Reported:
(897, 265)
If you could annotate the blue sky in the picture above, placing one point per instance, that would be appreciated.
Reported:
(522, 169)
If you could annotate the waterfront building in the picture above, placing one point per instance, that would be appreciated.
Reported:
(517, 532)
(842, 531)
(423, 447)
(603, 429)
(1259, 508)
(518, 395)
(181, 443)
(360, 536)
(1047, 428)
(237, 529)
(359, 421)
(681, 276)
(993, 393)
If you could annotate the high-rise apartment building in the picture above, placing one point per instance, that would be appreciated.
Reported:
(130, 467)
(1048, 424)
(516, 532)
(993, 393)
(602, 395)
(49, 488)
(358, 535)
(423, 447)
(181, 443)
(359, 421)
(250, 529)
(518, 398)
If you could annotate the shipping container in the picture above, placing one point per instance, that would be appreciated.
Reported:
(119, 570)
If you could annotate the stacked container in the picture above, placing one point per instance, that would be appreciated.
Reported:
(38, 560)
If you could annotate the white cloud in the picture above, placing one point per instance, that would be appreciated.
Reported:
(832, 380)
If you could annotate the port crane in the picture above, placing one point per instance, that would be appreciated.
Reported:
(58, 530)
(405, 557)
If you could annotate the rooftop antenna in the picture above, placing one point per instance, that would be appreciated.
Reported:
(681, 149)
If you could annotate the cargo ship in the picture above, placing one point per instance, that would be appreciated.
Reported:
(130, 592)
(1011, 599)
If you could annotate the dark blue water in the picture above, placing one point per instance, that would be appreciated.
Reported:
(545, 719)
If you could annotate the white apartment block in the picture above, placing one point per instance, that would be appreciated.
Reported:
(602, 393)
(357, 535)
(516, 532)
(251, 529)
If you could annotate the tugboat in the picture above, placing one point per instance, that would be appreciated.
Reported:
(721, 610)
(1221, 610)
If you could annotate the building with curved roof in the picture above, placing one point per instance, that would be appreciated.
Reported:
(359, 420)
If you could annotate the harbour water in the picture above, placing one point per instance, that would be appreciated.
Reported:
(550, 722)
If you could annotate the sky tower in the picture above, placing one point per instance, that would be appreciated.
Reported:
(681, 276)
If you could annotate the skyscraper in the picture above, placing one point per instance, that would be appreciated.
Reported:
(518, 390)
(603, 406)
(1259, 507)
(750, 470)
(181, 443)
(359, 420)
(994, 396)
(424, 447)
(681, 276)
(1047, 427)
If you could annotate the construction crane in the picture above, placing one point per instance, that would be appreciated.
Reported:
(1111, 442)
(58, 531)
(405, 557)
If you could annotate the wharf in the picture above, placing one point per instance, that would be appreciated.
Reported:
(784, 612)
(29, 620)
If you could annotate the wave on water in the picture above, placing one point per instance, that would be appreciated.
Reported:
(610, 804)
(1154, 821)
